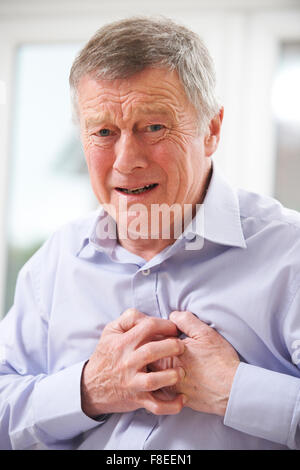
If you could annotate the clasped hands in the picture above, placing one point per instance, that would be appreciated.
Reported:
(140, 362)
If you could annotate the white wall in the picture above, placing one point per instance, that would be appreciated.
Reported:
(243, 36)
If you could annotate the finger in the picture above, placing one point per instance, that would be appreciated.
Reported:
(188, 323)
(165, 394)
(150, 328)
(155, 350)
(151, 381)
(161, 364)
(129, 318)
(164, 407)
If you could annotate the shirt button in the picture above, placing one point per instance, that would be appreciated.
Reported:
(146, 272)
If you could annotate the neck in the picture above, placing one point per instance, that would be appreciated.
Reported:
(149, 247)
(145, 248)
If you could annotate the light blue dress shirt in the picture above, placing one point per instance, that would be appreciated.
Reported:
(244, 281)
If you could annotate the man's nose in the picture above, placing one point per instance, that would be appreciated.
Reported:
(129, 154)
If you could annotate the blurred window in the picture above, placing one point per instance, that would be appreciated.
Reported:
(49, 183)
(286, 107)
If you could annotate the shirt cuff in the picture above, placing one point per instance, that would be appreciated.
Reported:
(262, 403)
(57, 404)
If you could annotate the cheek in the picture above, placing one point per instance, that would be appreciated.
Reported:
(171, 157)
(99, 164)
(99, 161)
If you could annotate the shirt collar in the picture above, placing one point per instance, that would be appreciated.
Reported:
(217, 219)
(102, 221)
(89, 231)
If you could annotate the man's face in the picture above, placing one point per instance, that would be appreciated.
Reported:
(141, 141)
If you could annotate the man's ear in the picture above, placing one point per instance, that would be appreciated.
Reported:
(211, 140)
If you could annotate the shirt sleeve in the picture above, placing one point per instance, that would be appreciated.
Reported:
(265, 403)
(37, 410)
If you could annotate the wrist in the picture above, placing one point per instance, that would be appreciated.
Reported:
(222, 403)
(87, 405)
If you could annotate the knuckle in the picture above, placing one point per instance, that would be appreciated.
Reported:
(109, 326)
(147, 352)
(155, 409)
(178, 346)
(131, 313)
(150, 323)
(175, 345)
(126, 363)
(148, 382)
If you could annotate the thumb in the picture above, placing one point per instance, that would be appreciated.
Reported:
(188, 323)
(130, 318)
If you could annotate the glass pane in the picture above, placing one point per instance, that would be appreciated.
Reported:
(286, 105)
(49, 183)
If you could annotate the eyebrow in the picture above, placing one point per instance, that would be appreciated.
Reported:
(153, 110)
(95, 121)
(106, 116)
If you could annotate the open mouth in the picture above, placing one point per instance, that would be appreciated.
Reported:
(139, 190)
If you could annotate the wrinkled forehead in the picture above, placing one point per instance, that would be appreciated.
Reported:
(152, 90)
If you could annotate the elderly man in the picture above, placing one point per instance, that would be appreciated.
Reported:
(144, 340)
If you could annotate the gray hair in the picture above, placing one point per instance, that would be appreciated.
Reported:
(123, 48)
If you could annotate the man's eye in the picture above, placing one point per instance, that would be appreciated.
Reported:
(155, 127)
(104, 133)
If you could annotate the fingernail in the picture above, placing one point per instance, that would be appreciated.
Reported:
(181, 372)
(184, 399)
(173, 314)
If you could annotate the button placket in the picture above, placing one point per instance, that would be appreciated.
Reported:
(144, 291)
